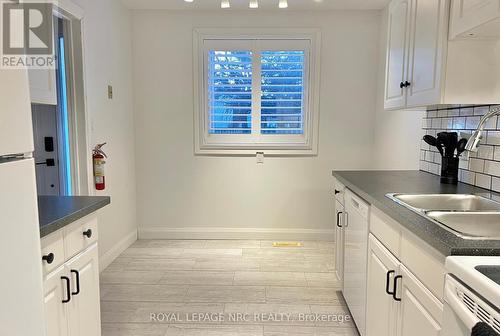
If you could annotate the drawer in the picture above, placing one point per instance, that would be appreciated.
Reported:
(387, 231)
(53, 247)
(79, 235)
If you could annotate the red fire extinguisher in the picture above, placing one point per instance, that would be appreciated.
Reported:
(98, 157)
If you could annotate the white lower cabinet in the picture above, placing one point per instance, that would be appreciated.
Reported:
(56, 313)
(381, 306)
(421, 313)
(84, 311)
(71, 291)
(72, 297)
(398, 304)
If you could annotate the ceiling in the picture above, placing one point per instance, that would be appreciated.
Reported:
(263, 4)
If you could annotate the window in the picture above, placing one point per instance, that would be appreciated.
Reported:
(256, 93)
(230, 92)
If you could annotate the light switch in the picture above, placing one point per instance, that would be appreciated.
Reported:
(260, 157)
(110, 92)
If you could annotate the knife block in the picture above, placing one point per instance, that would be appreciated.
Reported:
(449, 170)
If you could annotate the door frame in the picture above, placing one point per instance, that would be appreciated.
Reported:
(78, 116)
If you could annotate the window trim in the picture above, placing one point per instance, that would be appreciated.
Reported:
(279, 145)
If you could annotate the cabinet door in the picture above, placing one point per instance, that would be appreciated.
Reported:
(84, 308)
(339, 241)
(43, 86)
(428, 46)
(397, 54)
(55, 291)
(381, 308)
(469, 14)
(421, 312)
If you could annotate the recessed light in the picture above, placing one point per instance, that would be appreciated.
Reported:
(283, 4)
(189, 0)
(254, 4)
(225, 4)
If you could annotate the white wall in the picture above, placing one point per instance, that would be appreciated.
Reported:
(397, 133)
(108, 60)
(180, 195)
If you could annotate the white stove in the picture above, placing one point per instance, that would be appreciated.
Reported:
(472, 294)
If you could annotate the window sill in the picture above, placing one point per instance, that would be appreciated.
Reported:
(251, 152)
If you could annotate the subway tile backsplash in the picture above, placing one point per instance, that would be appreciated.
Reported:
(481, 169)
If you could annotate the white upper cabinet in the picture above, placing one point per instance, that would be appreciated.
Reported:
(424, 68)
(416, 52)
(475, 18)
(43, 86)
(427, 51)
(43, 82)
(397, 51)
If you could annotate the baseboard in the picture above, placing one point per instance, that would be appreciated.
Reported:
(107, 258)
(235, 233)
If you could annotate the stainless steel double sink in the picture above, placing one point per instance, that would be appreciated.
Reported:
(468, 216)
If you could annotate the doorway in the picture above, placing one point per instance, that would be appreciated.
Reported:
(59, 116)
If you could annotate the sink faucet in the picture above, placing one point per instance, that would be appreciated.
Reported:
(473, 142)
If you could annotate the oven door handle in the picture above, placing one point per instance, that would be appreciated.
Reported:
(459, 308)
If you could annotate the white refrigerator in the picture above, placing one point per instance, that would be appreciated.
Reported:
(21, 301)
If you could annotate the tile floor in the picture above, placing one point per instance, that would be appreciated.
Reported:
(223, 288)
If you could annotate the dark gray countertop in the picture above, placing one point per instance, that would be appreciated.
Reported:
(373, 186)
(55, 212)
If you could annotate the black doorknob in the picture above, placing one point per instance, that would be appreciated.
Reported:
(88, 233)
(49, 258)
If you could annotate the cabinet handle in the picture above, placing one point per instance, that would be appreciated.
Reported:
(387, 282)
(337, 192)
(338, 219)
(49, 258)
(77, 282)
(406, 84)
(401, 85)
(395, 290)
(88, 233)
(68, 289)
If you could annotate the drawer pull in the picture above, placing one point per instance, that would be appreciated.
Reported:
(49, 258)
(87, 233)
(68, 289)
(77, 282)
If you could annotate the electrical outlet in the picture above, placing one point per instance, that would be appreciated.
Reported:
(260, 157)
(464, 135)
(110, 92)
